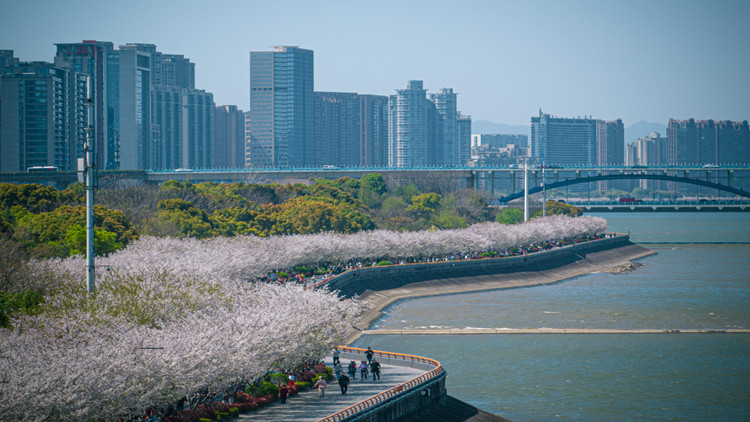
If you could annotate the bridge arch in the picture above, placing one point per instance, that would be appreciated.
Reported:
(589, 179)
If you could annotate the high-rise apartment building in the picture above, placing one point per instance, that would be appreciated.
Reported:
(282, 108)
(90, 58)
(563, 141)
(337, 135)
(229, 141)
(697, 142)
(426, 131)
(463, 145)
(373, 130)
(182, 128)
(577, 141)
(43, 117)
(446, 149)
(134, 131)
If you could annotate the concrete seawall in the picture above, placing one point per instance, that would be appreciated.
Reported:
(381, 287)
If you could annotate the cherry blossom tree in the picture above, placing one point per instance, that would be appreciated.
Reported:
(172, 316)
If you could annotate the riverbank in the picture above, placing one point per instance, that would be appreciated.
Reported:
(592, 262)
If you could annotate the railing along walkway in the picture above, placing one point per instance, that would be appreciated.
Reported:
(399, 373)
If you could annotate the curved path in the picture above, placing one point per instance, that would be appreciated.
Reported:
(307, 406)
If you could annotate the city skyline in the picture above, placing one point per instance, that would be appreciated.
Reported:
(630, 60)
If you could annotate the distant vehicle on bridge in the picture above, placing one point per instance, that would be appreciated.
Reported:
(41, 169)
(330, 167)
(630, 200)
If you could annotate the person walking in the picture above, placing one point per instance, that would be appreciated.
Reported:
(375, 369)
(335, 355)
(363, 370)
(283, 394)
(338, 370)
(321, 385)
(344, 384)
(353, 370)
(368, 354)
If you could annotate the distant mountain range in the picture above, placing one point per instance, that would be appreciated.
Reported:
(633, 132)
(486, 127)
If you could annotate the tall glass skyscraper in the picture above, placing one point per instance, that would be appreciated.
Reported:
(282, 108)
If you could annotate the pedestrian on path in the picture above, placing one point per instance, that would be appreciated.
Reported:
(344, 384)
(369, 354)
(338, 370)
(363, 370)
(375, 368)
(335, 355)
(353, 370)
(283, 394)
(321, 385)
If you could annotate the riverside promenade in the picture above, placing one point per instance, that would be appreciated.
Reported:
(307, 406)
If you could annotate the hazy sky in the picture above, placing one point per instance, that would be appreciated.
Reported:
(635, 60)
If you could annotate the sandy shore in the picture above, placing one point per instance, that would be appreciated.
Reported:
(593, 263)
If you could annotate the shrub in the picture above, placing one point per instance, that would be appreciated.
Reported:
(383, 263)
(188, 416)
(244, 407)
(302, 385)
(243, 397)
(234, 412)
(304, 376)
(282, 274)
(269, 389)
(279, 378)
(253, 390)
(206, 420)
(205, 412)
(222, 415)
(218, 406)
(320, 369)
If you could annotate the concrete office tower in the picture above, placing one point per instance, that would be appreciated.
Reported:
(337, 136)
(248, 135)
(43, 117)
(282, 108)
(446, 151)
(182, 128)
(134, 106)
(90, 57)
(463, 153)
(373, 130)
(229, 140)
(412, 128)
(683, 144)
(563, 141)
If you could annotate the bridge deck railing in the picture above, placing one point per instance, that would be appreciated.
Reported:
(390, 393)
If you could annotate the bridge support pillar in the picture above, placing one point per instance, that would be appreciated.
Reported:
(730, 174)
(491, 177)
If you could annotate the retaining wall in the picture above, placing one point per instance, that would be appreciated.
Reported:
(390, 277)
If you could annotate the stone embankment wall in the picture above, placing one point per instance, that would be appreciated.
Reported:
(381, 278)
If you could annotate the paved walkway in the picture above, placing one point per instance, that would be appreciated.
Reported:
(307, 406)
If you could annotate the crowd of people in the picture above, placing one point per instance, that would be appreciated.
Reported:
(318, 274)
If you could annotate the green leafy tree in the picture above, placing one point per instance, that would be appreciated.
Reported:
(105, 242)
(425, 205)
(510, 216)
(561, 208)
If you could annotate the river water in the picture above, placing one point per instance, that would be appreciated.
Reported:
(698, 282)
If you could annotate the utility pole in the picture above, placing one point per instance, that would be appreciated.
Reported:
(526, 191)
(90, 182)
(544, 193)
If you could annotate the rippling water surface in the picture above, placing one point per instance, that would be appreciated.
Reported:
(691, 377)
